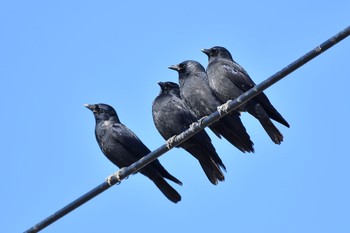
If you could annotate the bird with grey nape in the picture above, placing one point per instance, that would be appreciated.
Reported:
(195, 91)
(228, 80)
(122, 147)
(172, 116)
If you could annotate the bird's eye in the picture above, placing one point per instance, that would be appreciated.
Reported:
(97, 109)
(181, 66)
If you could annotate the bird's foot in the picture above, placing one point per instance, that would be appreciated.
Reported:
(109, 180)
(222, 109)
(199, 123)
(170, 142)
(116, 176)
(193, 125)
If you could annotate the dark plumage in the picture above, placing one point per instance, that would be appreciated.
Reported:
(228, 80)
(122, 147)
(195, 91)
(172, 116)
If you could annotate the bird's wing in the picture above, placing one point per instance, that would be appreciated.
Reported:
(188, 117)
(137, 150)
(129, 140)
(238, 75)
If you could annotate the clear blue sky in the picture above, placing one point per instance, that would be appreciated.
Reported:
(56, 56)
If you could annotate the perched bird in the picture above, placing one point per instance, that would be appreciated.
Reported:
(172, 116)
(195, 91)
(228, 80)
(122, 147)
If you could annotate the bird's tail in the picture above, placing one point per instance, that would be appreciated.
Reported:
(163, 172)
(163, 186)
(259, 113)
(209, 166)
(213, 172)
(271, 130)
(232, 129)
(203, 141)
(270, 109)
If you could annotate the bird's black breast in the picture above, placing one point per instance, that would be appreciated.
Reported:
(171, 115)
(112, 148)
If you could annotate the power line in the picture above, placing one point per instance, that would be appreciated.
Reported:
(195, 128)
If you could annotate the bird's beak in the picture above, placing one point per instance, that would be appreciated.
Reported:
(90, 106)
(174, 67)
(206, 51)
(161, 84)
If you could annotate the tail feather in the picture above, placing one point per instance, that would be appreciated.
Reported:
(163, 186)
(259, 113)
(217, 160)
(232, 129)
(271, 130)
(271, 110)
(213, 173)
(209, 166)
(203, 141)
(163, 172)
(233, 121)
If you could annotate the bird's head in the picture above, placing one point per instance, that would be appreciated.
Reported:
(188, 67)
(169, 88)
(217, 51)
(103, 112)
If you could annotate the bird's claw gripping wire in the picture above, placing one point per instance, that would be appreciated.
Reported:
(170, 142)
(116, 176)
(199, 123)
(222, 109)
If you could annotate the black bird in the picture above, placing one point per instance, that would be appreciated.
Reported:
(122, 147)
(228, 80)
(195, 91)
(172, 116)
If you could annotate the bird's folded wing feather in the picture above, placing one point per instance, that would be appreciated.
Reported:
(130, 141)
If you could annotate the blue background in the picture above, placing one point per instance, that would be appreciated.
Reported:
(57, 55)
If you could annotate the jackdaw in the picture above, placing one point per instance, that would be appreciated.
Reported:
(122, 147)
(228, 80)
